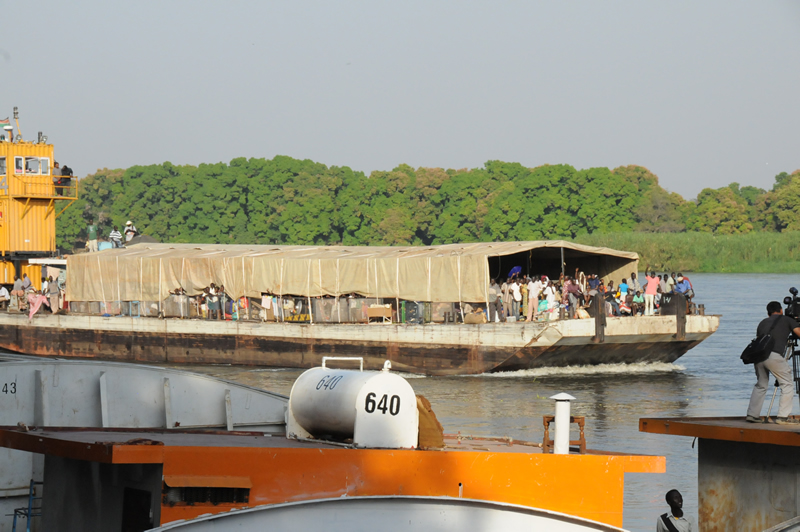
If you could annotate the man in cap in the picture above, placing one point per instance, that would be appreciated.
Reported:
(682, 286)
(130, 231)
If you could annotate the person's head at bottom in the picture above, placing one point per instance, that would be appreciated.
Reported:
(675, 501)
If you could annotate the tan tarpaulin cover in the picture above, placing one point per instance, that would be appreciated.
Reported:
(452, 272)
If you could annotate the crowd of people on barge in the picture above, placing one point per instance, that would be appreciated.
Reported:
(524, 298)
(25, 296)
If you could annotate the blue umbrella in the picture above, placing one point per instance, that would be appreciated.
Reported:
(515, 269)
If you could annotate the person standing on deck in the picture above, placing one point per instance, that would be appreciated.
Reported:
(130, 231)
(534, 289)
(17, 291)
(574, 296)
(5, 297)
(494, 300)
(57, 179)
(671, 282)
(213, 302)
(549, 293)
(116, 237)
(674, 520)
(66, 178)
(91, 236)
(52, 294)
(663, 284)
(650, 292)
(222, 301)
(516, 300)
(623, 290)
(506, 289)
(634, 284)
(781, 328)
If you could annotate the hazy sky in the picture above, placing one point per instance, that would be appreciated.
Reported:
(701, 93)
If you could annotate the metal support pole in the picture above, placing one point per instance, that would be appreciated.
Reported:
(599, 310)
(680, 317)
(562, 262)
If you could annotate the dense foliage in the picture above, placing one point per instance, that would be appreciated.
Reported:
(755, 252)
(289, 201)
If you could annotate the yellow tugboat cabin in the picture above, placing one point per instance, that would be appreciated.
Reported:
(32, 195)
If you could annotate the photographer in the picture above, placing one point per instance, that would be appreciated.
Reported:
(780, 327)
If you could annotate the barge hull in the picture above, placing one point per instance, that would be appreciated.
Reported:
(425, 349)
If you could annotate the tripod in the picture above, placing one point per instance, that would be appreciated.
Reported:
(791, 351)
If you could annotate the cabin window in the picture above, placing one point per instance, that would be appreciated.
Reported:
(44, 165)
(2, 166)
(31, 165)
(19, 165)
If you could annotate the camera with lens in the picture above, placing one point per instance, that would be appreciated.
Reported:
(792, 303)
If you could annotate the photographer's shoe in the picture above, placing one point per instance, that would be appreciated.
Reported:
(786, 421)
(753, 419)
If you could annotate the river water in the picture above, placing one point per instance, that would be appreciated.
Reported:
(710, 380)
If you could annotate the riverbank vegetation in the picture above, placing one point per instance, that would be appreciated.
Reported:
(290, 201)
(755, 252)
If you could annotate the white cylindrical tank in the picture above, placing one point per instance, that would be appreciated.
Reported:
(374, 408)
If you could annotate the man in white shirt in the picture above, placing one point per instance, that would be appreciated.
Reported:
(534, 291)
(517, 299)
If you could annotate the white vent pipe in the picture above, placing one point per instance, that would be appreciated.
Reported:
(561, 438)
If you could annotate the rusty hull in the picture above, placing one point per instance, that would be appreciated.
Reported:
(425, 349)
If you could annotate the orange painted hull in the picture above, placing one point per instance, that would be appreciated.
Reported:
(277, 470)
(589, 486)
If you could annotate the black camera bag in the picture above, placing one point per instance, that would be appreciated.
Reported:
(760, 347)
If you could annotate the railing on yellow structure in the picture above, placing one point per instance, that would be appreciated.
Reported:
(54, 188)
(45, 187)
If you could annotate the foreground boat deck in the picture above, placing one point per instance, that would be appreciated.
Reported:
(172, 465)
(733, 429)
(748, 473)
(119, 446)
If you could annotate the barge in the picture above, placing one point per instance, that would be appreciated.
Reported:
(431, 349)
(320, 300)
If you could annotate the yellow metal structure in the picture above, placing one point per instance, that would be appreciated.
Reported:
(31, 198)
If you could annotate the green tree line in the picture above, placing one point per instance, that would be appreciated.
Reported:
(290, 201)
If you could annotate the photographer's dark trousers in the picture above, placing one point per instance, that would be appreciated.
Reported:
(780, 369)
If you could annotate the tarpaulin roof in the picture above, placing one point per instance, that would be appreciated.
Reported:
(451, 272)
